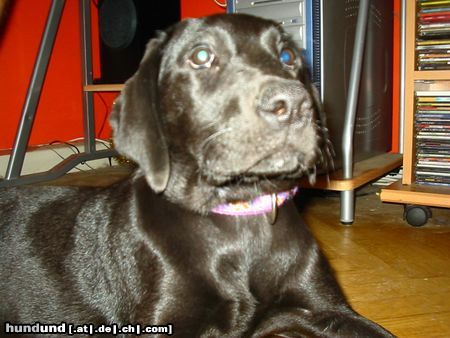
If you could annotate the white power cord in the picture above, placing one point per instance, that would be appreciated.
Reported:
(224, 5)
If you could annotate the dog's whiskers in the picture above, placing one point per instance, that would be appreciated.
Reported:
(256, 162)
(213, 136)
(269, 182)
(214, 123)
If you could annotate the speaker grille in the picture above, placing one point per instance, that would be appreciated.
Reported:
(317, 40)
(125, 26)
(118, 23)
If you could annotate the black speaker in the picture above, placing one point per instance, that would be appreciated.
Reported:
(125, 26)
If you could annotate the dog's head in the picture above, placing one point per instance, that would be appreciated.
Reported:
(221, 109)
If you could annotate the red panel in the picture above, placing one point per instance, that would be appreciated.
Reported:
(59, 114)
(198, 8)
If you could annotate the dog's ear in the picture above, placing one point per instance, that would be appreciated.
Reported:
(136, 123)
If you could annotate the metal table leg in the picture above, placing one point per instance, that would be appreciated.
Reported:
(34, 91)
(347, 207)
(347, 197)
(87, 77)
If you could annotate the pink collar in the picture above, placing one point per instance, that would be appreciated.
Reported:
(260, 205)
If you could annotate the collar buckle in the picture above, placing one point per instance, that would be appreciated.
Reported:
(272, 215)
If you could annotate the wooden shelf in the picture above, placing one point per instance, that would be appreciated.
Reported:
(363, 172)
(103, 87)
(407, 191)
(431, 75)
(416, 194)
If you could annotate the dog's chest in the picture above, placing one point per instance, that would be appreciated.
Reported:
(223, 274)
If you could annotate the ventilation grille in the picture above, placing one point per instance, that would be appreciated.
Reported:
(317, 50)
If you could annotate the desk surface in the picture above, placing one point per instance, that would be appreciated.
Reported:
(116, 87)
(363, 172)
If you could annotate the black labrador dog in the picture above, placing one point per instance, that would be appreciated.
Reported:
(222, 123)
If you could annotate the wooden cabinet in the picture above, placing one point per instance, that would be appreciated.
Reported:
(409, 191)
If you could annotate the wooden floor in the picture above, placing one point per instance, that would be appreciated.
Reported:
(394, 274)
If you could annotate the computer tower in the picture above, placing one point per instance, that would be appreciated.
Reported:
(325, 31)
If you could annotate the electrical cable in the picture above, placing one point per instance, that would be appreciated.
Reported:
(223, 5)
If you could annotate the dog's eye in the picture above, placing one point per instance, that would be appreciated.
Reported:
(288, 57)
(201, 57)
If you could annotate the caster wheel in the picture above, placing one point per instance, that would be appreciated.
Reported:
(416, 215)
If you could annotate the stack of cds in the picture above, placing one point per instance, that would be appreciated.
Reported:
(433, 35)
(432, 123)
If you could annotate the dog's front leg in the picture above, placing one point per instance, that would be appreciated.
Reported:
(310, 303)
(339, 322)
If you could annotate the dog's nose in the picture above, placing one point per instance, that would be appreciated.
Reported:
(281, 102)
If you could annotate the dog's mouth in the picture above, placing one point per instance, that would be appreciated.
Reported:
(247, 186)
(269, 170)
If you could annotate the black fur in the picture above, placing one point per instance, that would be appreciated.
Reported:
(148, 250)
